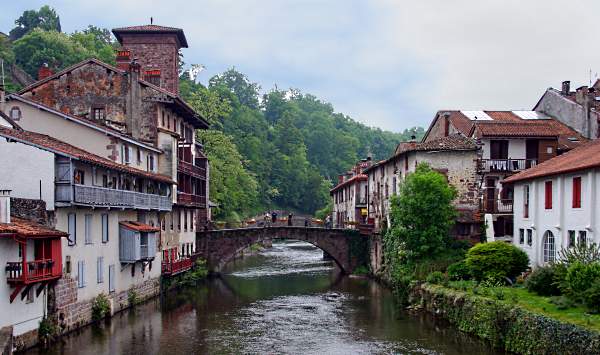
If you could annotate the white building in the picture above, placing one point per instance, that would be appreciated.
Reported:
(557, 203)
(350, 197)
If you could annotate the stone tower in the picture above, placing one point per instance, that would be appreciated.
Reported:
(156, 49)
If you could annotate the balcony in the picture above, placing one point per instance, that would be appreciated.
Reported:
(173, 267)
(27, 272)
(499, 206)
(105, 197)
(192, 170)
(191, 200)
(505, 165)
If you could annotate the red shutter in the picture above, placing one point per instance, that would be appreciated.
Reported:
(548, 195)
(577, 192)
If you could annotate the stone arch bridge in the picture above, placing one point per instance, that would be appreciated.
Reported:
(346, 247)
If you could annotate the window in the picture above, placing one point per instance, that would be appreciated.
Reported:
(582, 238)
(81, 274)
(163, 118)
(549, 247)
(30, 297)
(72, 228)
(125, 154)
(104, 228)
(139, 156)
(100, 269)
(548, 195)
(98, 113)
(529, 237)
(463, 229)
(526, 201)
(15, 113)
(394, 186)
(576, 192)
(172, 215)
(114, 182)
(88, 229)
(521, 236)
(79, 177)
(111, 278)
(185, 220)
(150, 162)
(104, 181)
(163, 224)
(178, 221)
(169, 121)
(571, 235)
(499, 149)
(405, 162)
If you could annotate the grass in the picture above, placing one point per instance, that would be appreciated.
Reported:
(538, 304)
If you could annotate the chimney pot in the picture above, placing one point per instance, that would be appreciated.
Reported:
(5, 206)
(566, 87)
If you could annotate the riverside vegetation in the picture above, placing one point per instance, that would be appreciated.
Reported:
(485, 289)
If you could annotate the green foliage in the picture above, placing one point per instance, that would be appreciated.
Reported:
(591, 297)
(132, 298)
(47, 330)
(325, 211)
(582, 253)
(459, 271)
(562, 302)
(543, 281)
(100, 307)
(422, 216)
(362, 270)
(496, 260)
(192, 277)
(45, 19)
(580, 277)
(436, 277)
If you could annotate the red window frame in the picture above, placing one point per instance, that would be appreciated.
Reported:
(577, 192)
(548, 195)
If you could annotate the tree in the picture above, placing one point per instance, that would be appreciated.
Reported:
(98, 41)
(245, 90)
(45, 19)
(421, 215)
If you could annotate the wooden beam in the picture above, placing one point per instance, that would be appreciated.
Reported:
(40, 289)
(25, 291)
(14, 294)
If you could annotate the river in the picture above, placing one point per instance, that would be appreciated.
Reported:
(285, 299)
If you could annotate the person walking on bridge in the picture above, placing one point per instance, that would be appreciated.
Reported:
(267, 219)
(274, 217)
(290, 217)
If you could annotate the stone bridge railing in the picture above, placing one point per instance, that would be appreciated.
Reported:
(347, 247)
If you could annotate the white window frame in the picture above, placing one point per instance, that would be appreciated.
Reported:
(549, 247)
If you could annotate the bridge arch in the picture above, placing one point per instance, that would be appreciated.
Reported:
(219, 247)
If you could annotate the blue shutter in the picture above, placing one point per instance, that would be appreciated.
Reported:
(104, 228)
(100, 269)
(72, 228)
(111, 278)
(88, 229)
(80, 273)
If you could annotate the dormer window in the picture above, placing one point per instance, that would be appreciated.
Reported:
(98, 113)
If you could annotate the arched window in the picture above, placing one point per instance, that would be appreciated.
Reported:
(549, 247)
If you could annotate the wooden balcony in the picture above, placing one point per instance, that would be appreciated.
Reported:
(191, 200)
(174, 267)
(27, 272)
(505, 165)
(194, 170)
(105, 197)
(498, 206)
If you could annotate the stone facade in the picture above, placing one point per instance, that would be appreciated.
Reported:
(33, 210)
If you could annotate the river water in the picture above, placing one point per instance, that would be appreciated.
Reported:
(285, 300)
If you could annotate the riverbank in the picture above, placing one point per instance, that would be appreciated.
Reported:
(503, 324)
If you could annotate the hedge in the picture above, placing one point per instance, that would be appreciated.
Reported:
(505, 325)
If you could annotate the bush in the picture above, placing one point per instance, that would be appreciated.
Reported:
(47, 330)
(543, 281)
(580, 277)
(591, 297)
(562, 302)
(100, 307)
(132, 298)
(459, 271)
(436, 277)
(496, 261)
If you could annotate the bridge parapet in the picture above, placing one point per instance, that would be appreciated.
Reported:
(347, 247)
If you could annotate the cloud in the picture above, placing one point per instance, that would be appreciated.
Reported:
(390, 64)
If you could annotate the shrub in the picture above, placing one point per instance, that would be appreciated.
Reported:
(542, 281)
(591, 297)
(436, 277)
(496, 260)
(47, 330)
(580, 277)
(132, 298)
(459, 271)
(562, 302)
(100, 307)
(583, 253)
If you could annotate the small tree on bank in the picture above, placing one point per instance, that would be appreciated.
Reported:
(422, 216)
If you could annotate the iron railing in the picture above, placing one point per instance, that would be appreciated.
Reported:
(191, 200)
(30, 271)
(105, 197)
(171, 267)
(506, 165)
(498, 205)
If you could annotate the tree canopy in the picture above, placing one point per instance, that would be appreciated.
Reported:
(45, 19)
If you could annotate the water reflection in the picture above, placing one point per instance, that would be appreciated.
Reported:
(284, 300)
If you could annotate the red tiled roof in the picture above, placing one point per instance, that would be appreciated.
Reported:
(359, 177)
(584, 157)
(52, 144)
(27, 228)
(139, 227)
(151, 29)
(461, 122)
(515, 129)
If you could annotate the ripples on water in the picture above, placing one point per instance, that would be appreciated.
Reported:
(285, 300)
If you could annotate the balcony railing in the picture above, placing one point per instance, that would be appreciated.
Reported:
(191, 200)
(498, 205)
(105, 197)
(30, 271)
(172, 267)
(506, 165)
(191, 169)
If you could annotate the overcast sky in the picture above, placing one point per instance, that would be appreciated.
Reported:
(390, 64)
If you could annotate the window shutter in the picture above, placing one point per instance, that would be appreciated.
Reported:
(104, 228)
(576, 192)
(72, 228)
(80, 273)
(548, 199)
(88, 229)
(111, 278)
(100, 269)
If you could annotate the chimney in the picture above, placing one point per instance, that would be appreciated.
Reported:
(44, 72)
(134, 99)
(566, 87)
(5, 206)
(123, 59)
